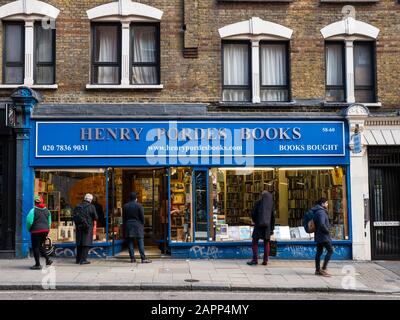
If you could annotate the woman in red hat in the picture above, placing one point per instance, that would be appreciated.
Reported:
(38, 224)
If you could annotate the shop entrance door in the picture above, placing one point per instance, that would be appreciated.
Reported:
(151, 187)
(384, 183)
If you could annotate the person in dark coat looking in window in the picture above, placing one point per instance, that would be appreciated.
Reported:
(84, 234)
(322, 236)
(133, 221)
(264, 224)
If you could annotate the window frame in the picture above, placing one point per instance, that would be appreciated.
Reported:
(227, 87)
(45, 64)
(19, 64)
(344, 86)
(156, 64)
(95, 64)
(288, 86)
(373, 86)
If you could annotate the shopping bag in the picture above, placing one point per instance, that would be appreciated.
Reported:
(272, 248)
(48, 247)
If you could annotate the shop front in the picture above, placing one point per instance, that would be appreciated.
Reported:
(197, 180)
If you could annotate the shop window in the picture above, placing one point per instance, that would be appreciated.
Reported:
(44, 55)
(364, 72)
(181, 205)
(274, 72)
(106, 61)
(13, 69)
(145, 54)
(335, 69)
(236, 71)
(294, 190)
(62, 191)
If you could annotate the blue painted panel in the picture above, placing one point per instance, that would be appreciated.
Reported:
(285, 251)
(97, 250)
(194, 143)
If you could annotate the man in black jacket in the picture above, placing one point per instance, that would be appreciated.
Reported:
(322, 236)
(84, 234)
(133, 220)
(264, 224)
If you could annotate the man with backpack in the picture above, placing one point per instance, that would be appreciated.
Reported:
(264, 224)
(84, 215)
(322, 236)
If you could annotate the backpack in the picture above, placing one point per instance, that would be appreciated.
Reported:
(80, 218)
(308, 221)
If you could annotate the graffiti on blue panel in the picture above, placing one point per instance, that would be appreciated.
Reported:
(95, 252)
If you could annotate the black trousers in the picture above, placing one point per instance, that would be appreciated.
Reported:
(82, 253)
(38, 239)
(320, 250)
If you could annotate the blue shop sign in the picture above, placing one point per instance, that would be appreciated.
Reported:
(162, 143)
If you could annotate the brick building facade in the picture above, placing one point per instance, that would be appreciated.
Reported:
(178, 61)
(199, 79)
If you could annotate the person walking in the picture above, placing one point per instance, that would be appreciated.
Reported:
(38, 223)
(264, 224)
(322, 236)
(133, 221)
(84, 215)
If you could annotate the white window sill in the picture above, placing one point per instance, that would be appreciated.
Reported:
(119, 87)
(35, 86)
(372, 104)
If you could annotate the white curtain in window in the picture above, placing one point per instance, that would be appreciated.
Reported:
(107, 52)
(236, 71)
(334, 65)
(273, 71)
(144, 50)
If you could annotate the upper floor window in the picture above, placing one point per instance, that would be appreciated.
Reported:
(45, 40)
(364, 72)
(14, 55)
(126, 46)
(106, 67)
(145, 54)
(335, 71)
(274, 71)
(236, 68)
(350, 61)
(255, 61)
(28, 43)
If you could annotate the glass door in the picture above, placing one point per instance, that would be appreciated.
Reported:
(200, 178)
(151, 187)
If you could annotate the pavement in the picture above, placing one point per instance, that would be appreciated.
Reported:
(212, 275)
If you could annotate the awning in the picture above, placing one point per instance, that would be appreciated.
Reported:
(382, 136)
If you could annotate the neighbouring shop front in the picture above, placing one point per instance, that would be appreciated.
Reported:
(7, 186)
(384, 184)
(197, 181)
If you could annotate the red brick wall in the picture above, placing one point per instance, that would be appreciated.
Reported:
(199, 80)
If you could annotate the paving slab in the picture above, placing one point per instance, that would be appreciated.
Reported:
(107, 274)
